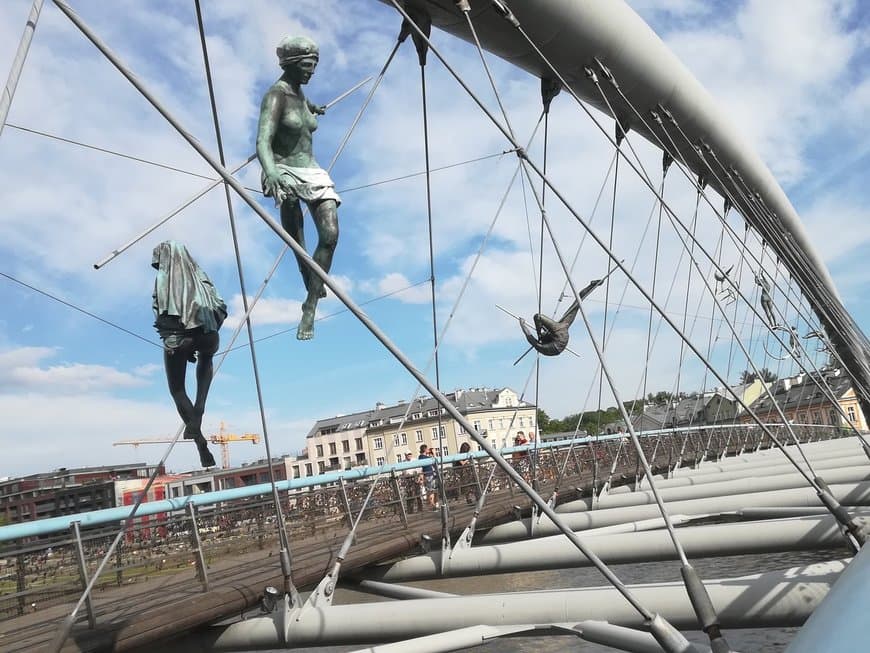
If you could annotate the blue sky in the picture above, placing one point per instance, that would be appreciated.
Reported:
(70, 386)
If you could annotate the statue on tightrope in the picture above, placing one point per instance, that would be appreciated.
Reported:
(290, 172)
(188, 313)
(766, 300)
(550, 337)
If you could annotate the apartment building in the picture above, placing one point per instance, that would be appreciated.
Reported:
(384, 434)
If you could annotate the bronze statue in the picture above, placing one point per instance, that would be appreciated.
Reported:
(766, 301)
(551, 337)
(290, 172)
(188, 313)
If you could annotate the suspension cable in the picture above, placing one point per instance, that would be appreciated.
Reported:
(79, 309)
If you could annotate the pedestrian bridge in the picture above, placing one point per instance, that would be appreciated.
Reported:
(189, 562)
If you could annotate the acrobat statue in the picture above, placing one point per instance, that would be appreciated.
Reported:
(766, 301)
(551, 337)
(290, 172)
(188, 313)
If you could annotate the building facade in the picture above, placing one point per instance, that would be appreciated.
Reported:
(383, 435)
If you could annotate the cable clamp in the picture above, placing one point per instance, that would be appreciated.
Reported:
(606, 72)
(505, 13)
(463, 5)
(591, 75)
(521, 152)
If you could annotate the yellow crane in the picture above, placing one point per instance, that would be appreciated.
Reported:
(221, 437)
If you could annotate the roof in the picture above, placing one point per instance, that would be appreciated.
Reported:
(467, 401)
(802, 392)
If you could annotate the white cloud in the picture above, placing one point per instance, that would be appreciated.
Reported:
(20, 372)
(268, 310)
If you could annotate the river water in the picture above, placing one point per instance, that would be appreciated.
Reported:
(745, 640)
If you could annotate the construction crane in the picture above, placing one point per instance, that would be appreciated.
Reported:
(221, 437)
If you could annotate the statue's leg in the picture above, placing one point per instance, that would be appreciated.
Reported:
(175, 362)
(206, 346)
(291, 220)
(326, 220)
(570, 314)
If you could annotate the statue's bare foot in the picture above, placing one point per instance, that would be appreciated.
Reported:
(305, 331)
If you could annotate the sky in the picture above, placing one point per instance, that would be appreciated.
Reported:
(792, 75)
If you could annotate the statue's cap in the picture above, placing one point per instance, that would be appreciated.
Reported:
(296, 48)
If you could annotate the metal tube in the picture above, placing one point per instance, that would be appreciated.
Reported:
(83, 572)
(196, 543)
(742, 486)
(742, 538)
(767, 470)
(743, 602)
(852, 494)
(18, 62)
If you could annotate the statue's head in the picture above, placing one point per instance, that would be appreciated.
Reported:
(298, 54)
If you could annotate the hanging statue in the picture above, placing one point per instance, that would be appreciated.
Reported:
(766, 301)
(290, 172)
(551, 337)
(188, 313)
(723, 287)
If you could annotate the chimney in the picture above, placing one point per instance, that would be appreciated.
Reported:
(379, 406)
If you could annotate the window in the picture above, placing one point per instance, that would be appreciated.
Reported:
(378, 444)
(333, 462)
(501, 422)
(522, 421)
(476, 425)
(850, 411)
(321, 467)
(435, 433)
(347, 463)
(295, 471)
(403, 437)
(332, 448)
(817, 418)
(419, 435)
(345, 446)
(396, 440)
(309, 471)
(416, 415)
(359, 444)
(398, 457)
(379, 461)
(509, 401)
(491, 424)
(460, 429)
(360, 459)
(319, 450)
(432, 413)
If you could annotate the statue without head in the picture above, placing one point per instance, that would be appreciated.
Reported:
(188, 313)
(290, 172)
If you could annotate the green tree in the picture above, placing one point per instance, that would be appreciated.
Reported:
(544, 421)
(748, 376)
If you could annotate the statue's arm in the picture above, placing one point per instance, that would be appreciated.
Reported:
(316, 108)
(270, 117)
(530, 336)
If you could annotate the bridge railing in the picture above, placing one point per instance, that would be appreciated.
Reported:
(46, 569)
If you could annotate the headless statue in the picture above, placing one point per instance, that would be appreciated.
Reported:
(551, 337)
(290, 172)
(188, 313)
